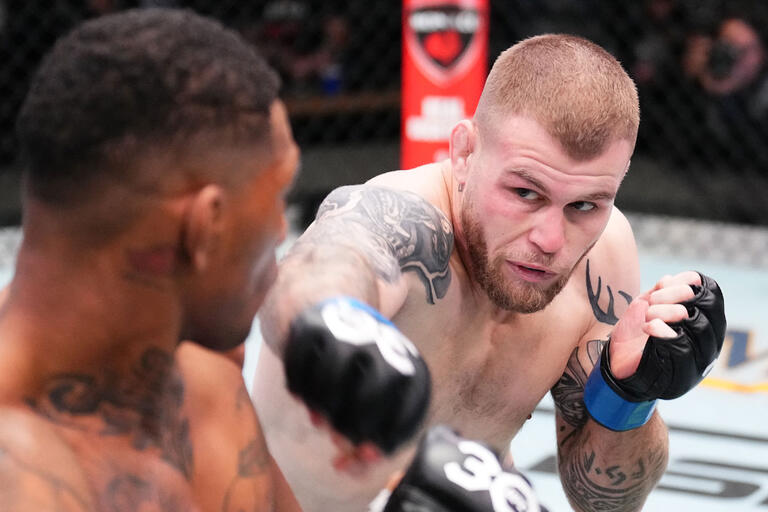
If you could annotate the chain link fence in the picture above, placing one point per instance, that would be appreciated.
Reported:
(700, 66)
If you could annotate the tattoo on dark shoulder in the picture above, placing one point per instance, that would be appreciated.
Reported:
(19, 474)
(403, 224)
(126, 493)
(252, 461)
(145, 406)
(607, 316)
(568, 393)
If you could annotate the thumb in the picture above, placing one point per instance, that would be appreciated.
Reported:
(628, 340)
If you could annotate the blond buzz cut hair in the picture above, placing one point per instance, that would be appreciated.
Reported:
(574, 88)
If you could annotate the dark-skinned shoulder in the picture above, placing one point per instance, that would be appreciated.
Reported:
(233, 468)
(38, 470)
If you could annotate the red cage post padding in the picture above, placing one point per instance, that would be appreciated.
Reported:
(445, 56)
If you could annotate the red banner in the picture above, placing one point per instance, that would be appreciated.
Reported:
(445, 56)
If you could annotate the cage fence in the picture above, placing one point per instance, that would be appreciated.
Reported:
(701, 68)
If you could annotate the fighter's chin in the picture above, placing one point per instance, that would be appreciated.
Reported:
(523, 296)
(529, 282)
(222, 340)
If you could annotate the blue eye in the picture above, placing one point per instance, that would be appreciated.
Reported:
(526, 193)
(583, 206)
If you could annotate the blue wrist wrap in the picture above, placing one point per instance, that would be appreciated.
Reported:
(611, 410)
(358, 304)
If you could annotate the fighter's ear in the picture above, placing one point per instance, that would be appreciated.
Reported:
(462, 144)
(204, 224)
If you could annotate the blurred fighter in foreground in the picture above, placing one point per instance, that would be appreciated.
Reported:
(508, 267)
(159, 156)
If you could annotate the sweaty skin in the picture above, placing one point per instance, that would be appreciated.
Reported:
(397, 243)
(102, 409)
(84, 446)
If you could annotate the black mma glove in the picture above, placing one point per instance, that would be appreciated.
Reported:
(453, 474)
(668, 367)
(353, 366)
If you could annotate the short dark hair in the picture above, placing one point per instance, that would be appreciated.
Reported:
(125, 84)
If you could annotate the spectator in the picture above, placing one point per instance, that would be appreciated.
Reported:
(729, 63)
(729, 68)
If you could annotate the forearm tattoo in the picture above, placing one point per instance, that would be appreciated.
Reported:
(590, 484)
(398, 231)
(616, 487)
(145, 407)
(568, 393)
(607, 316)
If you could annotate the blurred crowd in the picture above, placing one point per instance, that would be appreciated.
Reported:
(712, 58)
(700, 65)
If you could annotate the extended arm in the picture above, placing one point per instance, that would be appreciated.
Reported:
(328, 314)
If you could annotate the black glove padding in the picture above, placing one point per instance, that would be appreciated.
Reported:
(453, 474)
(350, 364)
(670, 367)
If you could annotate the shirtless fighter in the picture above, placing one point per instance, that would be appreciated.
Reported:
(159, 156)
(508, 267)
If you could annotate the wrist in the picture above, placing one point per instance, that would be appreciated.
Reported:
(608, 405)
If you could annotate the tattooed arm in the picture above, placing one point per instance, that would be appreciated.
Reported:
(603, 470)
(366, 242)
(258, 483)
(233, 468)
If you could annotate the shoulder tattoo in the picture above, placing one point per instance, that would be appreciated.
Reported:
(242, 491)
(129, 492)
(607, 315)
(146, 408)
(253, 460)
(403, 225)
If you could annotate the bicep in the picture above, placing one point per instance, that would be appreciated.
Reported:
(398, 232)
(612, 274)
(366, 242)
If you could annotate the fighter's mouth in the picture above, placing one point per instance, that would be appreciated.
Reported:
(532, 268)
(530, 273)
